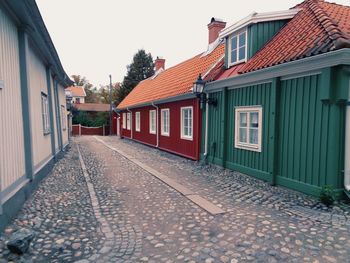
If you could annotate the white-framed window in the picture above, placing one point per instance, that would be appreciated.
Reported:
(128, 121)
(187, 123)
(124, 120)
(137, 121)
(248, 128)
(238, 48)
(165, 122)
(45, 113)
(152, 122)
(63, 117)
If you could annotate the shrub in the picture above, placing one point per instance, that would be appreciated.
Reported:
(327, 195)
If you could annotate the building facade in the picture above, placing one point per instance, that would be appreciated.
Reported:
(283, 99)
(162, 111)
(32, 104)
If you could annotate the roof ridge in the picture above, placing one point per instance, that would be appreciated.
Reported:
(335, 34)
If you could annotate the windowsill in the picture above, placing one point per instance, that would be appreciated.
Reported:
(154, 133)
(137, 130)
(166, 134)
(253, 148)
(187, 138)
(237, 63)
(47, 133)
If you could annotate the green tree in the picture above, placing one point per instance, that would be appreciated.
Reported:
(142, 67)
(104, 93)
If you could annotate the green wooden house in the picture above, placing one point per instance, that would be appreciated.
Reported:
(282, 113)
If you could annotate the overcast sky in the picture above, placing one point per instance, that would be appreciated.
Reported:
(97, 38)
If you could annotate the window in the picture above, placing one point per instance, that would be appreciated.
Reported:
(77, 100)
(248, 128)
(45, 113)
(124, 120)
(137, 122)
(128, 121)
(238, 48)
(152, 121)
(165, 114)
(187, 123)
(63, 118)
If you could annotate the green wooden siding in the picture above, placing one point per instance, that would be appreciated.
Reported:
(303, 130)
(310, 134)
(259, 34)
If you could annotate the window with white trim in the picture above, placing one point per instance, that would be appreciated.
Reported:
(137, 121)
(63, 118)
(248, 128)
(187, 123)
(124, 120)
(128, 121)
(45, 113)
(237, 48)
(165, 122)
(152, 122)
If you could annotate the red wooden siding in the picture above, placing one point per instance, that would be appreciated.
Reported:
(172, 143)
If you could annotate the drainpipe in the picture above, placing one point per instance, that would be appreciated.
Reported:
(206, 127)
(131, 128)
(157, 133)
(347, 144)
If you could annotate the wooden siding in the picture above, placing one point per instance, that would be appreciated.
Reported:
(259, 34)
(172, 143)
(310, 147)
(12, 165)
(37, 85)
(62, 99)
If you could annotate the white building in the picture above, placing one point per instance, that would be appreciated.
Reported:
(33, 120)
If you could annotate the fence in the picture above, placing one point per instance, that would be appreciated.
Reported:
(78, 130)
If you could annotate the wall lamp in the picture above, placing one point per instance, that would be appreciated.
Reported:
(198, 90)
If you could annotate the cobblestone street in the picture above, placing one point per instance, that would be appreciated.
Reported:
(98, 206)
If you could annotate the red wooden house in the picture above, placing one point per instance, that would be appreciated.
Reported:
(162, 111)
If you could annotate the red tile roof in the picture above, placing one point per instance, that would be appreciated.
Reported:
(174, 81)
(77, 91)
(91, 106)
(318, 28)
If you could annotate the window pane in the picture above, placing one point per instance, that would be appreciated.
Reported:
(253, 136)
(242, 39)
(234, 43)
(254, 119)
(243, 119)
(242, 53)
(233, 56)
(243, 135)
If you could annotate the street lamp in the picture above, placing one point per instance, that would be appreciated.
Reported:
(198, 90)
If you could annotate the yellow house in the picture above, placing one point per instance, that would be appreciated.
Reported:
(33, 120)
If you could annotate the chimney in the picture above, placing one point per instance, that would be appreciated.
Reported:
(214, 28)
(159, 63)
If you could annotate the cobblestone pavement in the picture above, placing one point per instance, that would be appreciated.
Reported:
(114, 211)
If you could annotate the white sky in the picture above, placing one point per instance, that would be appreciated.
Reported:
(95, 38)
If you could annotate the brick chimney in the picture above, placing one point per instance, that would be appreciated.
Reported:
(214, 28)
(159, 63)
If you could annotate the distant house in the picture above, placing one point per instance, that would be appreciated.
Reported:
(32, 104)
(283, 98)
(76, 94)
(92, 108)
(162, 111)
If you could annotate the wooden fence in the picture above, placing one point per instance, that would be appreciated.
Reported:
(78, 130)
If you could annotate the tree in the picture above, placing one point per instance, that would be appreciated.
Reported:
(142, 67)
(104, 93)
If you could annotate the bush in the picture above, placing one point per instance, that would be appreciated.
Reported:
(327, 195)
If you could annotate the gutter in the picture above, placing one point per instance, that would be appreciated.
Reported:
(157, 128)
(206, 128)
(131, 128)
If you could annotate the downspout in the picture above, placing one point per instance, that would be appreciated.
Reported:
(206, 128)
(157, 133)
(131, 126)
(347, 144)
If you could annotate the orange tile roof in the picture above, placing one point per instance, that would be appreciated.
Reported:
(77, 91)
(174, 81)
(91, 106)
(318, 28)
